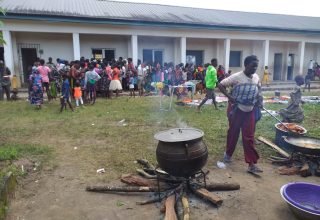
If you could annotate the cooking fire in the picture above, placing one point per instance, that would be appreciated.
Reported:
(181, 155)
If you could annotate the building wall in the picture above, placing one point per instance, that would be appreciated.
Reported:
(159, 43)
(220, 51)
(52, 44)
(312, 51)
(245, 47)
(119, 43)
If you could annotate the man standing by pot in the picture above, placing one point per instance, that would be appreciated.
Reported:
(211, 81)
(244, 96)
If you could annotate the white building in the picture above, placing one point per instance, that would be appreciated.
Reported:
(74, 28)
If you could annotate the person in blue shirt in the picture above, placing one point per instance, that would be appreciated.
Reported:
(65, 94)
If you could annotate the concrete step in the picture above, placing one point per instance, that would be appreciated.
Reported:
(287, 88)
(291, 82)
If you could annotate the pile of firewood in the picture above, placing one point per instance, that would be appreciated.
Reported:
(297, 164)
(292, 164)
(167, 189)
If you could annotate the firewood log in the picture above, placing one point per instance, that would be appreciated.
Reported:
(132, 179)
(222, 186)
(305, 170)
(145, 174)
(153, 200)
(121, 189)
(163, 205)
(170, 212)
(274, 146)
(202, 192)
(186, 209)
(146, 164)
(285, 170)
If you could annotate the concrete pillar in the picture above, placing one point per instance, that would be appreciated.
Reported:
(16, 59)
(302, 46)
(129, 49)
(183, 49)
(8, 52)
(226, 54)
(218, 50)
(176, 51)
(76, 46)
(318, 51)
(134, 49)
(266, 46)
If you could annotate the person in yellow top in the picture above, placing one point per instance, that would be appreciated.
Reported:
(265, 79)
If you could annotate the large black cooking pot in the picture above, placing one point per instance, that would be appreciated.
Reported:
(305, 145)
(181, 151)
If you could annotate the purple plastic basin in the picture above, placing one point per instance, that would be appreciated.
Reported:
(305, 196)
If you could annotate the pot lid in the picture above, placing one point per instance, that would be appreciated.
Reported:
(179, 134)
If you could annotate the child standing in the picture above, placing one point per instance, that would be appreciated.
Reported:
(78, 94)
(131, 86)
(65, 94)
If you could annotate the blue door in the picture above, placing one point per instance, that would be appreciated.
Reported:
(277, 66)
(158, 56)
(147, 56)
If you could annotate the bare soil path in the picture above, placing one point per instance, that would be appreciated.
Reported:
(60, 194)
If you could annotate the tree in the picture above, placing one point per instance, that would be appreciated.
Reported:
(3, 12)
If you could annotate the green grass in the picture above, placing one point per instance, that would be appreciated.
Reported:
(110, 144)
(16, 151)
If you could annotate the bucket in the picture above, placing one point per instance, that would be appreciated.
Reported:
(280, 141)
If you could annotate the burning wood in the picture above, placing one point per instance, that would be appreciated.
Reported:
(132, 179)
(305, 170)
(121, 189)
(168, 189)
(170, 212)
(202, 192)
(186, 209)
(295, 163)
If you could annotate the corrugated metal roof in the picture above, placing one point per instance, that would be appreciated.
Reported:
(103, 9)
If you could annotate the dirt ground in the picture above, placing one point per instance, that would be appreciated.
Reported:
(60, 194)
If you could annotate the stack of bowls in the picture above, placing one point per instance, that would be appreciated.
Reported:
(303, 199)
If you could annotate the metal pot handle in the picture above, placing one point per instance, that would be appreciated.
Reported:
(187, 150)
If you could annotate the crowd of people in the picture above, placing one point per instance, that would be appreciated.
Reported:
(82, 79)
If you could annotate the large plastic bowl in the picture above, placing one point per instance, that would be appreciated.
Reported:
(303, 199)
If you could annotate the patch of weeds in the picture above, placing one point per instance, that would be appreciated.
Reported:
(11, 152)
(17, 171)
(120, 203)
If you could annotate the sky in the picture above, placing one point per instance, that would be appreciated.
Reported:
(291, 7)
